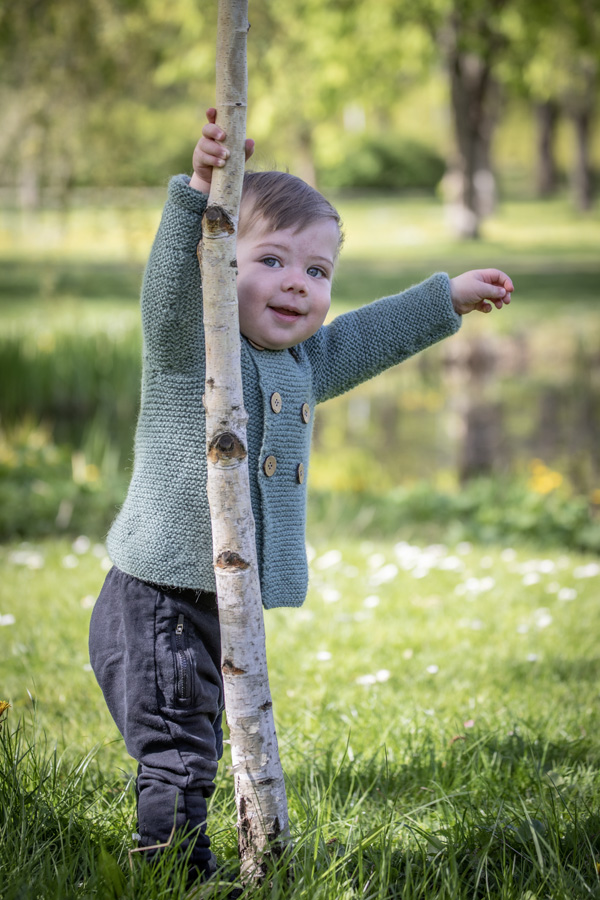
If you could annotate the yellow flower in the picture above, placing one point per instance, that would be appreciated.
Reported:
(543, 480)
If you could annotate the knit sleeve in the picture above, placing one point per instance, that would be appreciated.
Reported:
(364, 342)
(172, 290)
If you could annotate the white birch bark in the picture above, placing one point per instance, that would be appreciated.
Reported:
(259, 785)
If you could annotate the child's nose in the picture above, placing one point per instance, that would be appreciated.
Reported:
(295, 281)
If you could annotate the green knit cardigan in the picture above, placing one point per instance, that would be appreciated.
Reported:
(162, 533)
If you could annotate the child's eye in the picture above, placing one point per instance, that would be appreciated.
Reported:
(271, 261)
(316, 272)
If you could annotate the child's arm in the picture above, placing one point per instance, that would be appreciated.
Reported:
(360, 344)
(172, 315)
(171, 301)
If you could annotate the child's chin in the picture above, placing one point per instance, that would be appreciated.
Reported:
(277, 346)
(261, 343)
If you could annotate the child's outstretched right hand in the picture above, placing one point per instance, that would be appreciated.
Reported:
(210, 152)
(480, 288)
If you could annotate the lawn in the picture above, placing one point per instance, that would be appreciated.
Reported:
(437, 712)
(436, 697)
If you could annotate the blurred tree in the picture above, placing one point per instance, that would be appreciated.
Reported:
(580, 57)
(321, 66)
(46, 77)
(555, 60)
(471, 38)
(547, 112)
(318, 70)
(84, 83)
(111, 92)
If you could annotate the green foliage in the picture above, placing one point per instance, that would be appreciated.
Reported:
(72, 377)
(388, 163)
(554, 50)
(45, 489)
(113, 93)
(484, 510)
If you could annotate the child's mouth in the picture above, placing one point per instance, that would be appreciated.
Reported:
(285, 313)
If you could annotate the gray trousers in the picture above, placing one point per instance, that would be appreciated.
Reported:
(157, 656)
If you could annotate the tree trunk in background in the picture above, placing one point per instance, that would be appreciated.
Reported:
(580, 106)
(259, 785)
(481, 447)
(546, 172)
(582, 181)
(474, 98)
(476, 417)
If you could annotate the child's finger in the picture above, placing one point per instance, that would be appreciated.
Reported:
(211, 114)
(205, 160)
(497, 276)
(494, 292)
(249, 147)
(214, 148)
(505, 280)
(213, 132)
(211, 161)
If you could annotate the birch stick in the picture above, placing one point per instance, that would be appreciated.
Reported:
(259, 785)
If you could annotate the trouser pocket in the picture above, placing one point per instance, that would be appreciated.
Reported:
(183, 664)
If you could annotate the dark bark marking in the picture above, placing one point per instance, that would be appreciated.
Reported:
(225, 443)
(217, 220)
(267, 705)
(244, 831)
(226, 446)
(229, 559)
(228, 668)
(276, 830)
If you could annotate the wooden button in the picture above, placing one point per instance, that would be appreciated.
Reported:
(300, 474)
(269, 466)
(305, 412)
(276, 402)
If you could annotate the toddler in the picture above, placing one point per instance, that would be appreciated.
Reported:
(154, 633)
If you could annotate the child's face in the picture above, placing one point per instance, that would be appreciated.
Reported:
(284, 282)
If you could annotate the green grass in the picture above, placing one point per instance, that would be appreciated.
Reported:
(437, 712)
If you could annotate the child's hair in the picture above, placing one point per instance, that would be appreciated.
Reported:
(283, 201)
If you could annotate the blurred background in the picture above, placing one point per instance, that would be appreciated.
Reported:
(451, 134)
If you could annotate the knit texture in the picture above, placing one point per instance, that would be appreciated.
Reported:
(163, 533)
